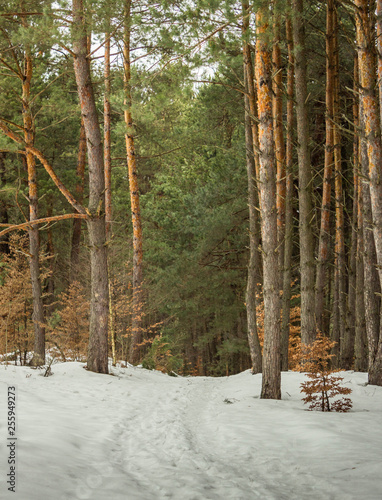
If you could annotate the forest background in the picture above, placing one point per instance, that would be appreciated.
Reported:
(219, 162)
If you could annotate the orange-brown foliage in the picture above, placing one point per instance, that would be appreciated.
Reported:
(323, 384)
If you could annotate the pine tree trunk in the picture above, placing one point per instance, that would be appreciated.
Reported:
(324, 237)
(107, 137)
(34, 241)
(348, 346)
(379, 50)
(360, 347)
(371, 117)
(271, 381)
(287, 276)
(306, 214)
(77, 223)
(99, 301)
(253, 203)
(338, 331)
(136, 322)
(4, 219)
(279, 142)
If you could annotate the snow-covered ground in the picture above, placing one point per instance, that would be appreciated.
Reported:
(145, 435)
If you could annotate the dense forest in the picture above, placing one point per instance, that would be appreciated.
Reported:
(191, 186)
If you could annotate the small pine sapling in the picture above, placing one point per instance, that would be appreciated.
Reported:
(324, 384)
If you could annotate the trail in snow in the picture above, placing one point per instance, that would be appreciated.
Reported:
(143, 435)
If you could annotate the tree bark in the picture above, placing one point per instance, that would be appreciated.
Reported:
(360, 347)
(99, 302)
(136, 322)
(253, 203)
(271, 381)
(371, 117)
(77, 223)
(279, 142)
(4, 219)
(348, 347)
(338, 331)
(38, 358)
(287, 277)
(107, 137)
(306, 214)
(324, 237)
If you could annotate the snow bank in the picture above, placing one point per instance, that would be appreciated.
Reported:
(142, 435)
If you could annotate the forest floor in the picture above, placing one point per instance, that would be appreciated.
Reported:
(143, 435)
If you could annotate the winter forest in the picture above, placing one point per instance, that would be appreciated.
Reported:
(191, 201)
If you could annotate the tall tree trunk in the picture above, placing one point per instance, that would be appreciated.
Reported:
(107, 137)
(324, 237)
(279, 141)
(379, 49)
(77, 223)
(306, 214)
(287, 277)
(271, 381)
(371, 117)
(99, 302)
(360, 347)
(253, 203)
(348, 346)
(338, 331)
(34, 241)
(136, 322)
(4, 240)
(107, 161)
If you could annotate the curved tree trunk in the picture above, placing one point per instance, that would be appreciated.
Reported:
(271, 381)
(99, 303)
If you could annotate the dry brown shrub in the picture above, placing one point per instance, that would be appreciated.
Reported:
(324, 384)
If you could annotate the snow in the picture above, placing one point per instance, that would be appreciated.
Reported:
(144, 435)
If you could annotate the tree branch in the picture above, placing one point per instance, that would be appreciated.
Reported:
(8, 132)
(28, 225)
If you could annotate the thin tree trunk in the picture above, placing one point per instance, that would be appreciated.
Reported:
(279, 142)
(34, 241)
(379, 49)
(306, 214)
(253, 203)
(360, 347)
(107, 137)
(287, 277)
(136, 322)
(4, 219)
(324, 237)
(348, 346)
(271, 381)
(371, 117)
(338, 331)
(99, 302)
(77, 223)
